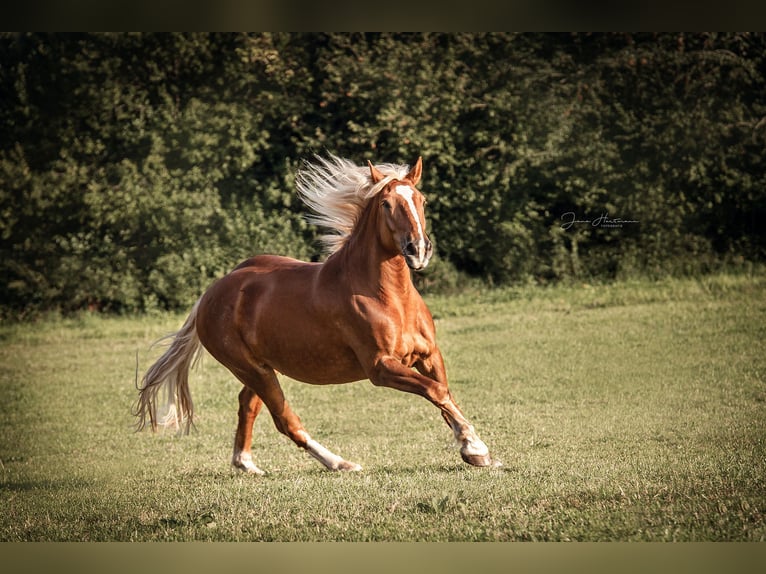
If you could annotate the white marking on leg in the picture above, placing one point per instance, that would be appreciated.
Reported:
(170, 418)
(244, 461)
(328, 458)
(407, 192)
(474, 446)
(470, 443)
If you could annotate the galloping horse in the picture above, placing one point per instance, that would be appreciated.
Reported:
(355, 316)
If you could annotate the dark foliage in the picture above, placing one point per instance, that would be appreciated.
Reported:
(136, 168)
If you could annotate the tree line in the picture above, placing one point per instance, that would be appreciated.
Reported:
(137, 168)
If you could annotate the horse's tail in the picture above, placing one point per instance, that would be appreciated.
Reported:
(171, 373)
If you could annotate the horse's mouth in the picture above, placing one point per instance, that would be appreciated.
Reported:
(418, 259)
(416, 265)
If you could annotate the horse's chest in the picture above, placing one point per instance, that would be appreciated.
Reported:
(412, 348)
(409, 342)
(397, 331)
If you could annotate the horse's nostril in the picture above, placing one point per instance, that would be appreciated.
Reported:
(410, 249)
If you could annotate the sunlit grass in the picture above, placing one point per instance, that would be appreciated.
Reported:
(634, 411)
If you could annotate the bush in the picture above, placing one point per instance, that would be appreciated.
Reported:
(137, 168)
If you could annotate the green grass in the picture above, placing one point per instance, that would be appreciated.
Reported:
(635, 411)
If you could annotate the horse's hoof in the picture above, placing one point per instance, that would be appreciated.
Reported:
(480, 460)
(347, 466)
(248, 468)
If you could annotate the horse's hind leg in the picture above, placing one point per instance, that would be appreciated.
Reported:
(265, 385)
(249, 406)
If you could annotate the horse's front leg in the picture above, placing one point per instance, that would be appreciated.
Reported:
(432, 385)
(472, 448)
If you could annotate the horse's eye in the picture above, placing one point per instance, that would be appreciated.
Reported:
(386, 204)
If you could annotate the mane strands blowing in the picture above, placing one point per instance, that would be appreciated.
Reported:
(336, 191)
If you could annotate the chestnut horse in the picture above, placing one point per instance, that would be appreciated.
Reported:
(355, 316)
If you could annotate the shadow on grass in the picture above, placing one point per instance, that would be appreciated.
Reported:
(45, 485)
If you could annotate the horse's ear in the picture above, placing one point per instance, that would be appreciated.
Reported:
(374, 173)
(415, 172)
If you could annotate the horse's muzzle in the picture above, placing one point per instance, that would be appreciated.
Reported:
(417, 253)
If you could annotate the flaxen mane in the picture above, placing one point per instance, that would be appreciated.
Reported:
(336, 190)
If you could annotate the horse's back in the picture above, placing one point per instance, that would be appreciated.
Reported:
(254, 280)
(267, 263)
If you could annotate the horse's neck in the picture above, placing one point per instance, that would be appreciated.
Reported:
(370, 265)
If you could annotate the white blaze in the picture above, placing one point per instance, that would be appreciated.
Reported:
(406, 192)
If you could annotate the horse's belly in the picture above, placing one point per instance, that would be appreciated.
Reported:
(306, 349)
(290, 338)
(318, 366)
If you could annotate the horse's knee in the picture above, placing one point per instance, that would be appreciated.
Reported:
(291, 426)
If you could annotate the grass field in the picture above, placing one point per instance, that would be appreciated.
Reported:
(635, 411)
